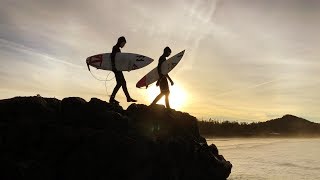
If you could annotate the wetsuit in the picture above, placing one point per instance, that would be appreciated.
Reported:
(121, 82)
(119, 75)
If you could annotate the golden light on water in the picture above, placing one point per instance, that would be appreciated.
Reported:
(177, 98)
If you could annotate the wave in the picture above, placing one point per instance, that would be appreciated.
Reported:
(236, 144)
(299, 166)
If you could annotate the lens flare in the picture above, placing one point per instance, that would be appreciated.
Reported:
(177, 98)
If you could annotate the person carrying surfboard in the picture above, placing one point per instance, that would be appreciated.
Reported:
(162, 81)
(121, 82)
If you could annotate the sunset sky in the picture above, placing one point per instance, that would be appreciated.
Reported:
(245, 60)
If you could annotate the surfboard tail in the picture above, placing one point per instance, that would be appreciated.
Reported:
(88, 61)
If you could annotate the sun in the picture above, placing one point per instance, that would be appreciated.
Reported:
(177, 98)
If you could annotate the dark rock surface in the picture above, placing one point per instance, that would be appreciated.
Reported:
(45, 138)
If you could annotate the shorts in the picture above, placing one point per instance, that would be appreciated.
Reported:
(164, 86)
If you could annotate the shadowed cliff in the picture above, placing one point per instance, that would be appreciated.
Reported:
(45, 138)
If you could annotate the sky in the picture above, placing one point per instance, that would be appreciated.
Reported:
(245, 60)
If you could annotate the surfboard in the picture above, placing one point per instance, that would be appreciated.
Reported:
(166, 67)
(123, 61)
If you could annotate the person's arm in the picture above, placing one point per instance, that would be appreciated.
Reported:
(113, 56)
(170, 79)
(161, 60)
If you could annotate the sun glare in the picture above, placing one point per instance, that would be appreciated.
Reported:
(177, 98)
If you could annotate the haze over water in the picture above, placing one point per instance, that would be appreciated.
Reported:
(268, 158)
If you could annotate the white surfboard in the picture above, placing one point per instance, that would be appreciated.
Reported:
(123, 61)
(166, 67)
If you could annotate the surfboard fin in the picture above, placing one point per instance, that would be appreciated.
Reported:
(88, 66)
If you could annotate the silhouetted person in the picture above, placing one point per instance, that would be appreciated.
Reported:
(121, 82)
(163, 82)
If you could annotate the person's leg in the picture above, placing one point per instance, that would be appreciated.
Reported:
(157, 99)
(124, 88)
(114, 92)
(165, 90)
(117, 87)
(167, 100)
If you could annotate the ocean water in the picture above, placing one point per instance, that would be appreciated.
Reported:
(268, 158)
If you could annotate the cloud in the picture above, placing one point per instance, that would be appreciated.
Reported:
(236, 51)
(32, 52)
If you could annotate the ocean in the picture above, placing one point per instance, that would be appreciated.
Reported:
(271, 158)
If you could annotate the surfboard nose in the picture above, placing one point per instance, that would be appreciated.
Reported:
(142, 82)
(150, 60)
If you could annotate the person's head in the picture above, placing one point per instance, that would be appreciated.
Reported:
(167, 51)
(121, 41)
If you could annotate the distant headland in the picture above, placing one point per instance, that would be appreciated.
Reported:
(286, 126)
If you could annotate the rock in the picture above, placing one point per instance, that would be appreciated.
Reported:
(26, 109)
(163, 122)
(96, 105)
(45, 138)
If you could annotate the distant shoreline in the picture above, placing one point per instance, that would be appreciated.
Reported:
(288, 126)
(260, 137)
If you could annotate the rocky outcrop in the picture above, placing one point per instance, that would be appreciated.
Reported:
(45, 138)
